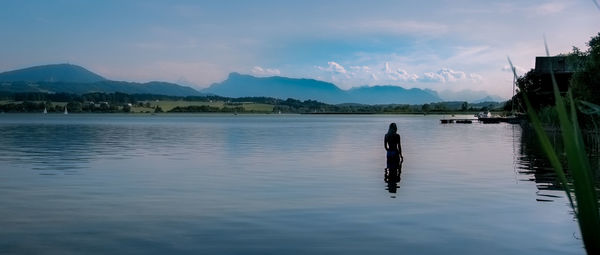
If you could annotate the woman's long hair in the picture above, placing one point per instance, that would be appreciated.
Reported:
(393, 129)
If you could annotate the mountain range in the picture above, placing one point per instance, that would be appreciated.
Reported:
(472, 96)
(239, 85)
(67, 78)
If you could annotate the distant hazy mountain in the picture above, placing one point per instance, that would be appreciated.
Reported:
(238, 85)
(489, 99)
(76, 79)
(52, 73)
(389, 94)
(471, 96)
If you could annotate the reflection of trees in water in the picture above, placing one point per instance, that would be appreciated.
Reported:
(67, 148)
(534, 165)
(47, 147)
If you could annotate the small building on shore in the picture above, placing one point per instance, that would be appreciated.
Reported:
(558, 64)
(563, 68)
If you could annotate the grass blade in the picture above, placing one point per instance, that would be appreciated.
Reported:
(583, 180)
(585, 193)
(589, 108)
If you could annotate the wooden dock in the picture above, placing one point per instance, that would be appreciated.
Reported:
(487, 120)
(459, 121)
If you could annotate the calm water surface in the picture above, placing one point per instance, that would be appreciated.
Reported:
(273, 184)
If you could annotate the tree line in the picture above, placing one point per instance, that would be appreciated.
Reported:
(583, 83)
(122, 102)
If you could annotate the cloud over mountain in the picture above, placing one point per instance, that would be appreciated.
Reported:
(390, 74)
(257, 70)
(333, 67)
(444, 75)
(399, 74)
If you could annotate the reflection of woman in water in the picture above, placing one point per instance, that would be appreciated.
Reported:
(392, 178)
(391, 142)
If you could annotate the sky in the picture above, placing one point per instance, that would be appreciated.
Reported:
(441, 44)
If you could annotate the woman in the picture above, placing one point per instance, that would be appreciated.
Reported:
(391, 142)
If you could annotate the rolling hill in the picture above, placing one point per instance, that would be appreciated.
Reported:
(75, 79)
(52, 73)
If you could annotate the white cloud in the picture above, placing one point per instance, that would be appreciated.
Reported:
(360, 68)
(387, 73)
(336, 67)
(405, 76)
(387, 68)
(451, 75)
(518, 69)
(359, 75)
(432, 77)
(447, 75)
(333, 67)
(257, 70)
(475, 77)
(398, 74)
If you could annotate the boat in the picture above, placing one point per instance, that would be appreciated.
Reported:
(66, 112)
(485, 114)
(513, 118)
(45, 111)
(489, 119)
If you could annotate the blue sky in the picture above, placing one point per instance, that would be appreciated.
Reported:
(441, 45)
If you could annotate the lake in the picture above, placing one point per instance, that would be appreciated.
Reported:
(274, 184)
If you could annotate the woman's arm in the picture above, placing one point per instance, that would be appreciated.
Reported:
(400, 148)
(385, 143)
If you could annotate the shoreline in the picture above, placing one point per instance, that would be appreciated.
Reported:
(241, 113)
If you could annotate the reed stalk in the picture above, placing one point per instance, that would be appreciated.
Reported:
(584, 190)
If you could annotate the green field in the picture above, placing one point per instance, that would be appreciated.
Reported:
(2, 102)
(166, 105)
(258, 107)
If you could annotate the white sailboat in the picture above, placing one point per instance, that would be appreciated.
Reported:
(45, 111)
(66, 112)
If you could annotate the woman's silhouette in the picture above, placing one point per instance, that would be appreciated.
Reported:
(391, 142)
